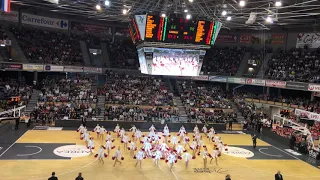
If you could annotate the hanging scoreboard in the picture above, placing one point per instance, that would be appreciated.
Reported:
(175, 30)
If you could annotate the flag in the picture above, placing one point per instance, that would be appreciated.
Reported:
(5, 5)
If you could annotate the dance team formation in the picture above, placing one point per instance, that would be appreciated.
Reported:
(166, 146)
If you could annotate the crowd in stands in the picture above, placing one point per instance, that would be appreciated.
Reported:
(126, 89)
(137, 113)
(42, 46)
(295, 65)
(254, 63)
(123, 54)
(223, 61)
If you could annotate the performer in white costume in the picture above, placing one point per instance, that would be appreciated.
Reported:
(101, 133)
(122, 132)
(91, 145)
(108, 145)
(157, 156)
(204, 129)
(137, 135)
(215, 154)
(97, 130)
(179, 149)
(117, 156)
(117, 130)
(101, 154)
(164, 147)
(147, 148)
(174, 141)
(187, 156)
(125, 141)
(171, 159)
(81, 130)
(195, 129)
(139, 156)
(132, 147)
(133, 129)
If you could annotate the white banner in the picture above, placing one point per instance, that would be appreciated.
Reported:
(53, 68)
(32, 67)
(237, 80)
(141, 21)
(92, 70)
(314, 87)
(200, 78)
(44, 21)
(274, 83)
(307, 114)
(12, 16)
(311, 40)
(73, 69)
(258, 82)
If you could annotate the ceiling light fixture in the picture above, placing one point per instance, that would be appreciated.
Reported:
(191, 1)
(242, 3)
(186, 10)
(188, 16)
(98, 7)
(269, 20)
(224, 13)
(278, 3)
(163, 15)
(107, 3)
(124, 11)
(229, 18)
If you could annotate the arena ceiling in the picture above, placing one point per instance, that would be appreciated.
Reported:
(291, 14)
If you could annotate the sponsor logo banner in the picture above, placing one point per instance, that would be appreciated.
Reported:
(44, 21)
(246, 38)
(217, 78)
(297, 86)
(258, 82)
(6, 42)
(141, 22)
(201, 78)
(238, 152)
(72, 69)
(307, 114)
(224, 38)
(32, 67)
(11, 66)
(53, 68)
(237, 80)
(272, 83)
(12, 16)
(317, 94)
(72, 151)
(276, 39)
(311, 40)
(233, 132)
(314, 87)
(91, 28)
(92, 70)
(122, 32)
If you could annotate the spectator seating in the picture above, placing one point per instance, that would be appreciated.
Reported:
(254, 63)
(222, 61)
(41, 46)
(123, 55)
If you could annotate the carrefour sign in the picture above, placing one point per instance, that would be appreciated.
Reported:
(44, 21)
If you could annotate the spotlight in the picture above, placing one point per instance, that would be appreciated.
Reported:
(269, 19)
(191, 1)
(242, 3)
(124, 11)
(228, 18)
(188, 16)
(107, 3)
(186, 10)
(163, 15)
(224, 13)
(278, 3)
(98, 7)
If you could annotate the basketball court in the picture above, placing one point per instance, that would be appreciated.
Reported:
(36, 153)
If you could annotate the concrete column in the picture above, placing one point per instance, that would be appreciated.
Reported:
(279, 92)
(227, 86)
(35, 78)
(312, 96)
(268, 90)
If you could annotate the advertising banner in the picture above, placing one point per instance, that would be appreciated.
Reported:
(311, 40)
(12, 16)
(257, 82)
(32, 67)
(307, 114)
(224, 38)
(276, 39)
(11, 66)
(141, 23)
(274, 83)
(91, 28)
(314, 87)
(237, 80)
(92, 70)
(44, 21)
(53, 68)
(297, 86)
(200, 78)
(73, 69)
(246, 38)
(122, 32)
(218, 78)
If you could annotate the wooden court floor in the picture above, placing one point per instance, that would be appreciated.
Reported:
(66, 169)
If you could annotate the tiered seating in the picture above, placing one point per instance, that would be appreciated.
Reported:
(295, 65)
(123, 55)
(50, 47)
(254, 63)
(223, 61)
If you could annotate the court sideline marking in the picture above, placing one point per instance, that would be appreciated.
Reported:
(267, 153)
(40, 149)
(13, 144)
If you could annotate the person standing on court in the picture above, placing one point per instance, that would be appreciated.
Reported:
(228, 177)
(53, 176)
(79, 177)
(254, 141)
(278, 176)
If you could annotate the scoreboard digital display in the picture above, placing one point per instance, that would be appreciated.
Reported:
(175, 30)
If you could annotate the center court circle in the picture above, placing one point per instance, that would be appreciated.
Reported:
(238, 152)
(72, 151)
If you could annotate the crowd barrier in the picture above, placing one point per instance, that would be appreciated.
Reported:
(110, 125)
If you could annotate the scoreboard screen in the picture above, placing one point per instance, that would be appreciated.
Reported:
(174, 30)
(179, 30)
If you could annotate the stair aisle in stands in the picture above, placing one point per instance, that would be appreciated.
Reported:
(100, 104)
(32, 101)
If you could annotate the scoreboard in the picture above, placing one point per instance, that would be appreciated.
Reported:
(175, 30)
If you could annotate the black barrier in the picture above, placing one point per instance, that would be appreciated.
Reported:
(110, 125)
(267, 132)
